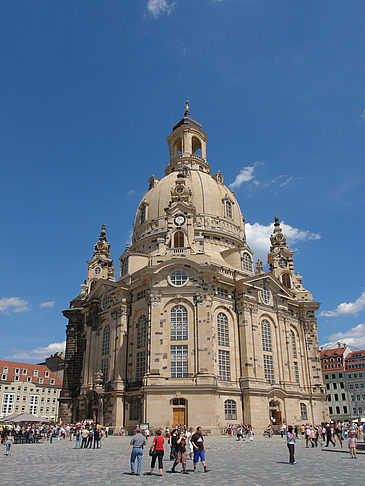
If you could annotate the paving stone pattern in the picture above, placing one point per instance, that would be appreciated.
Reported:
(263, 462)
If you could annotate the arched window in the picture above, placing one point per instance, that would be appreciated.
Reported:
(179, 239)
(230, 410)
(266, 336)
(223, 332)
(303, 411)
(179, 323)
(179, 401)
(178, 147)
(106, 340)
(196, 146)
(141, 332)
(286, 280)
(293, 344)
(142, 214)
(228, 209)
(105, 368)
(247, 262)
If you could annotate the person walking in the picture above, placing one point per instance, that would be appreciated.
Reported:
(181, 453)
(199, 449)
(9, 440)
(188, 436)
(157, 452)
(173, 439)
(290, 441)
(329, 436)
(138, 441)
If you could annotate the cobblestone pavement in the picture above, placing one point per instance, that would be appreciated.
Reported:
(263, 462)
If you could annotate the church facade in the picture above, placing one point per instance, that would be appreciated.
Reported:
(190, 333)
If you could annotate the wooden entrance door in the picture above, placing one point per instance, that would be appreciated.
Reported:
(276, 414)
(178, 417)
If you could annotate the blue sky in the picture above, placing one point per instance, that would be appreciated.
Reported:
(90, 91)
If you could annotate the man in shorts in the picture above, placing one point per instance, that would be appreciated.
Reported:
(199, 449)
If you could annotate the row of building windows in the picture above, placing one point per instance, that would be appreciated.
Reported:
(179, 363)
(334, 385)
(24, 371)
(357, 398)
(9, 399)
(29, 379)
(25, 389)
(338, 410)
(179, 359)
(335, 397)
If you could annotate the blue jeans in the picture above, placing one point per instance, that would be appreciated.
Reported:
(137, 452)
(78, 442)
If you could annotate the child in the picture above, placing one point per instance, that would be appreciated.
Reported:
(352, 445)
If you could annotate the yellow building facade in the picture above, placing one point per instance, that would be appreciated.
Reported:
(190, 333)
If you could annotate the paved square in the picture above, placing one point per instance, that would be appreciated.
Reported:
(231, 462)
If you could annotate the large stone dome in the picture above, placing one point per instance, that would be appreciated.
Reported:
(208, 195)
(189, 210)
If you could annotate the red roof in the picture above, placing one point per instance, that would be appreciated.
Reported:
(30, 368)
(355, 358)
(332, 353)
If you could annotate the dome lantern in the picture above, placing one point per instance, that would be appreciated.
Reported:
(188, 145)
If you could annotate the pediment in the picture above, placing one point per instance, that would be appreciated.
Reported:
(101, 288)
(267, 280)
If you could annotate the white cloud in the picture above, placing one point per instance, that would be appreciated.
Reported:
(38, 354)
(258, 237)
(13, 304)
(159, 7)
(354, 337)
(42, 305)
(283, 180)
(346, 308)
(246, 174)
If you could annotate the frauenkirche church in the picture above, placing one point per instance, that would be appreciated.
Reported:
(190, 333)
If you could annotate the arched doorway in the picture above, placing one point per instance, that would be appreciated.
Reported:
(275, 413)
(92, 406)
(179, 416)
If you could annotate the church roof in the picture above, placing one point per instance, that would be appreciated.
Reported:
(187, 120)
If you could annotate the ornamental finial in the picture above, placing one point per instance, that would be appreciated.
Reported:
(186, 107)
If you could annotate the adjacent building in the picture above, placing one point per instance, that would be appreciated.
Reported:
(191, 333)
(28, 388)
(355, 378)
(55, 363)
(334, 378)
(344, 378)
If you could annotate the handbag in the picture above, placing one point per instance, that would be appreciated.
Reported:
(152, 451)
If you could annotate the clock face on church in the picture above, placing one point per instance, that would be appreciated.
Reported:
(179, 220)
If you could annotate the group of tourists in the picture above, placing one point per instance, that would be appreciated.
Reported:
(240, 431)
(182, 441)
(87, 434)
(334, 433)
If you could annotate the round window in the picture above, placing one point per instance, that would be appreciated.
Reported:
(265, 295)
(97, 270)
(105, 303)
(178, 278)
